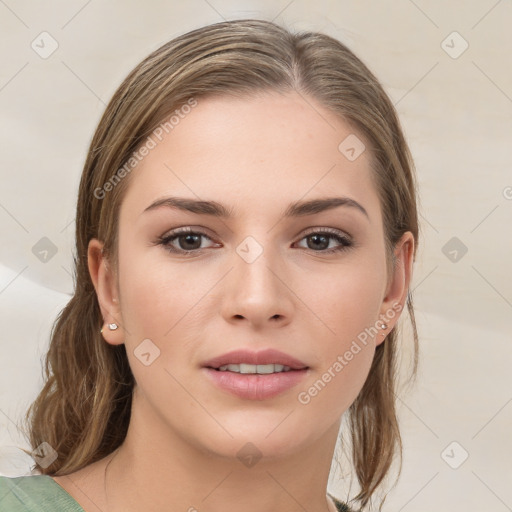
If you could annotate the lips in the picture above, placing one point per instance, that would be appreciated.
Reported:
(255, 386)
(268, 356)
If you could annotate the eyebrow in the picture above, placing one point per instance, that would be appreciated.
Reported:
(296, 209)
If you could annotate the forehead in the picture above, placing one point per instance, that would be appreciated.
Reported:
(255, 153)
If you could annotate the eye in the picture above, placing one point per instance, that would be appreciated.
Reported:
(187, 240)
(320, 241)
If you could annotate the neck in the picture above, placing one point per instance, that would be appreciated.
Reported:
(166, 469)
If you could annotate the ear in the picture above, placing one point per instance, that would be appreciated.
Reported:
(104, 280)
(398, 285)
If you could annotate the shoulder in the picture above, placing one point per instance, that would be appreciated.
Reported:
(35, 493)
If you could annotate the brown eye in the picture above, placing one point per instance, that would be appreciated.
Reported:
(184, 241)
(320, 241)
(189, 241)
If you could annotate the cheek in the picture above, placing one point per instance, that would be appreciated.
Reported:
(154, 296)
(348, 306)
(346, 300)
(157, 301)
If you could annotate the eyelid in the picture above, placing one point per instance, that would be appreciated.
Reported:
(332, 231)
(187, 229)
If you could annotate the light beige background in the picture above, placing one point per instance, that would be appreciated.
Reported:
(457, 114)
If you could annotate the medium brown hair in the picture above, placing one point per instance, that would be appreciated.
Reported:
(83, 410)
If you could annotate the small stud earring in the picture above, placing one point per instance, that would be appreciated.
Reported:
(383, 326)
(112, 327)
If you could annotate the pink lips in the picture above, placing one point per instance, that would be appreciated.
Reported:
(255, 386)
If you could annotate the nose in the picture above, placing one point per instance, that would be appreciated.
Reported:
(258, 292)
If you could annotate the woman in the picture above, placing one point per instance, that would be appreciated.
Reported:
(246, 229)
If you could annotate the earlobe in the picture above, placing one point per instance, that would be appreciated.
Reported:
(104, 281)
(398, 285)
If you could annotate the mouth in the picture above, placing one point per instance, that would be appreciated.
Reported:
(255, 375)
(262, 362)
(261, 369)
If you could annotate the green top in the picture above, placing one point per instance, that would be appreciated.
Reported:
(41, 493)
(35, 493)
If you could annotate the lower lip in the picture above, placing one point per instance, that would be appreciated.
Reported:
(255, 386)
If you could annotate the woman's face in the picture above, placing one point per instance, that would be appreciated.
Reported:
(310, 283)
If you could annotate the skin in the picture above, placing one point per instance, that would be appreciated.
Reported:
(255, 155)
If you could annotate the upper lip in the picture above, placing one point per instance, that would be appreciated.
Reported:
(268, 356)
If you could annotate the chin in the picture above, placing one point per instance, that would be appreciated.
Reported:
(250, 449)
(268, 437)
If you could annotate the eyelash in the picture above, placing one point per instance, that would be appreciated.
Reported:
(165, 240)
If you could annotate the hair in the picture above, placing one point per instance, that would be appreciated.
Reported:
(84, 407)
